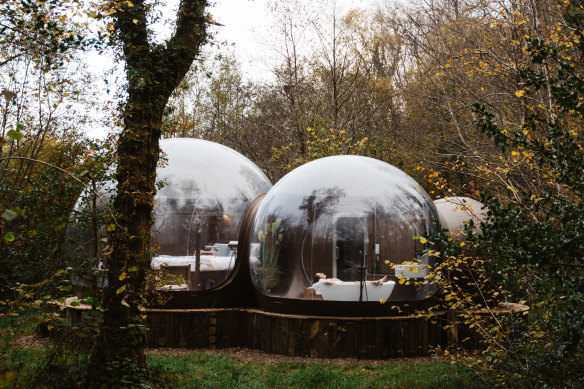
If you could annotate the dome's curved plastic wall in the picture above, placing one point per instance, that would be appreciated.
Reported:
(204, 190)
(456, 212)
(342, 216)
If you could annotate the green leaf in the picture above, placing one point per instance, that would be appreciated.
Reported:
(14, 135)
(9, 237)
(3, 142)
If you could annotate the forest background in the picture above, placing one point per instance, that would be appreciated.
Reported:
(471, 98)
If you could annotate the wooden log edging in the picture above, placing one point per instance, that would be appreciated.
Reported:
(376, 337)
(297, 335)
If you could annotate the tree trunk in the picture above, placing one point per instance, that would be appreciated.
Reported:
(153, 73)
(122, 340)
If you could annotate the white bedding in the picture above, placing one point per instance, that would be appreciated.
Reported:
(208, 262)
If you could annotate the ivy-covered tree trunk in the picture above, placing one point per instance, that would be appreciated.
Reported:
(153, 72)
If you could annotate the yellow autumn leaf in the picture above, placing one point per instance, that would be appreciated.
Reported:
(519, 93)
(423, 240)
(135, 21)
(7, 378)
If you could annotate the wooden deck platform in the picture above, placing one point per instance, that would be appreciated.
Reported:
(296, 335)
(378, 337)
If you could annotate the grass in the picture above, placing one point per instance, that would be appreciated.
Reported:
(207, 370)
(203, 370)
(39, 367)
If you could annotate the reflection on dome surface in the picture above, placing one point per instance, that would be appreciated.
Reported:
(206, 188)
(347, 217)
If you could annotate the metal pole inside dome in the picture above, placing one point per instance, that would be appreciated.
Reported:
(362, 270)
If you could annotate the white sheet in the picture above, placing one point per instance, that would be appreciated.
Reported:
(208, 262)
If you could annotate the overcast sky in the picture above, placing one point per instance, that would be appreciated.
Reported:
(247, 26)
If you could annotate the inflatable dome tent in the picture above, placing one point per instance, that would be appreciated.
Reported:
(315, 256)
(456, 212)
(204, 190)
(350, 219)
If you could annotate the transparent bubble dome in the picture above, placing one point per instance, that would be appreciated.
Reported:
(348, 217)
(456, 212)
(204, 190)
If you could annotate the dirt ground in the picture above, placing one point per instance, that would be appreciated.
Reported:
(34, 342)
(248, 355)
(241, 354)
